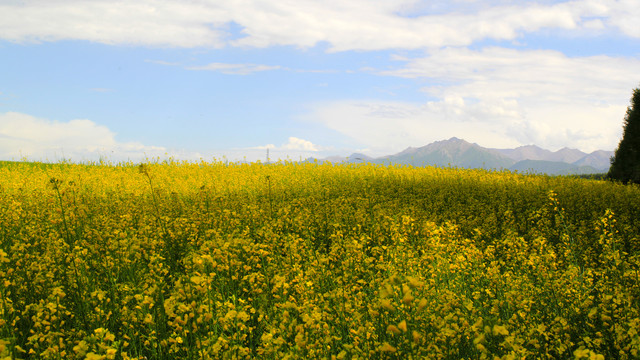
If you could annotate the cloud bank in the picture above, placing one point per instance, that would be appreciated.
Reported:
(345, 25)
(23, 136)
(497, 97)
(36, 139)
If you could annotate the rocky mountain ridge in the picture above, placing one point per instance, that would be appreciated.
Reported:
(460, 153)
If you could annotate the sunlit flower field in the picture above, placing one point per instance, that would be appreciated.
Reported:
(172, 260)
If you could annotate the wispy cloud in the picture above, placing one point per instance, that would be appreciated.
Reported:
(241, 69)
(235, 69)
(162, 62)
(345, 25)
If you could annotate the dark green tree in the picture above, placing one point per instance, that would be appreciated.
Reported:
(625, 164)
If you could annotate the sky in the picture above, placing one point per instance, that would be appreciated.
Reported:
(122, 80)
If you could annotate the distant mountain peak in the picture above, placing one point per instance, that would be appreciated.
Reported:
(530, 146)
(461, 153)
(526, 152)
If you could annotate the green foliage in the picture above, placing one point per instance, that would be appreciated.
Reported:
(625, 165)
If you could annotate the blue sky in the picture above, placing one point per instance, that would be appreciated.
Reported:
(211, 79)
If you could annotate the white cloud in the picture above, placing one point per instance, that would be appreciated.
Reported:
(388, 127)
(23, 136)
(622, 14)
(235, 69)
(498, 98)
(79, 140)
(294, 149)
(376, 25)
(507, 73)
(299, 144)
(294, 143)
(146, 22)
(345, 25)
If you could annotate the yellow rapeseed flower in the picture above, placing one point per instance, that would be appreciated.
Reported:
(393, 329)
(386, 303)
(500, 330)
(422, 304)
(414, 282)
(403, 325)
(386, 347)
(94, 356)
(416, 336)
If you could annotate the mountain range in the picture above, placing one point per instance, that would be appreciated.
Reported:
(460, 153)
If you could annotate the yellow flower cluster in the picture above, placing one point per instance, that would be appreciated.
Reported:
(214, 261)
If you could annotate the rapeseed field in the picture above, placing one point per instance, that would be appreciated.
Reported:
(172, 260)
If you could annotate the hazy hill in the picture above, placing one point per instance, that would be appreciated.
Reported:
(353, 158)
(453, 152)
(566, 155)
(527, 152)
(552, 167)
(599, 159)
(460, 153)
